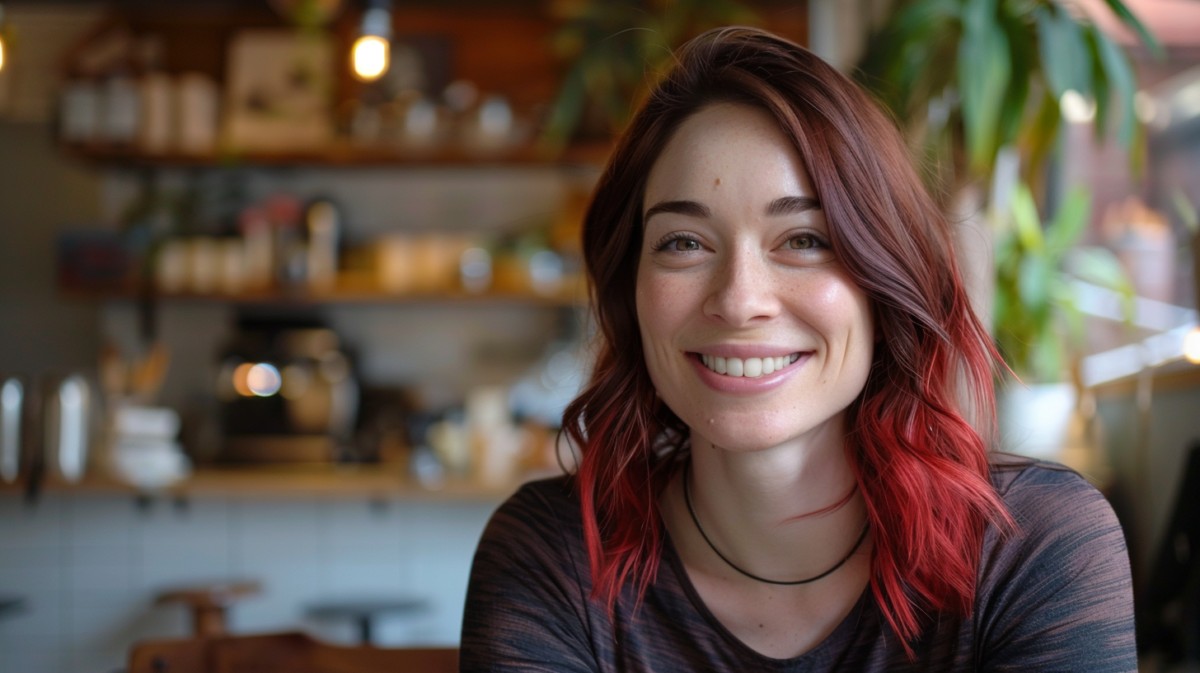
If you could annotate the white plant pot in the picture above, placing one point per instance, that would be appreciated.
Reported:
(1035, 421)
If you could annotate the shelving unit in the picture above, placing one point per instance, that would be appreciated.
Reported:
(502, 50)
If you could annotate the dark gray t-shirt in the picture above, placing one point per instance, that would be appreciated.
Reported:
(1054, 597)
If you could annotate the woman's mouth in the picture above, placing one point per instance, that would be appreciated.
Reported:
(750, 368)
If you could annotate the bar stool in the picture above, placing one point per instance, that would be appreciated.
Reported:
(365, 613)
(210, 603)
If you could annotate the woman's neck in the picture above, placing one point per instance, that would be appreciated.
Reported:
(758, 507)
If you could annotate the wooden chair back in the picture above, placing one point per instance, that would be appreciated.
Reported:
(283, 653)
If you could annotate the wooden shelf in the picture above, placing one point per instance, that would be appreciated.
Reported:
(338, 482)
(562, 300)
(344, 155)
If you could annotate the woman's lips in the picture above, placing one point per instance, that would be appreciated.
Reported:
(743, 384)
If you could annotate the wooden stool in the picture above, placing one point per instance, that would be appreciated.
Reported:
(210, 603)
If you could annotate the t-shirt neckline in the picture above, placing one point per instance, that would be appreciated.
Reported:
(840, 634)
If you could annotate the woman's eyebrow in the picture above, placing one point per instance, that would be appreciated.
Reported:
(689, 208)
(792, 205)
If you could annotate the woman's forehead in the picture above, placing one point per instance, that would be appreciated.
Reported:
(728, 152)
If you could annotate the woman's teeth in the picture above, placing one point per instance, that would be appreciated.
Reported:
(750, 368)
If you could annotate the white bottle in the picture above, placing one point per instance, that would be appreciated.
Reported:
(196, 102)
(157, 133)
(121, 111)
(80, 119)
(322, 223)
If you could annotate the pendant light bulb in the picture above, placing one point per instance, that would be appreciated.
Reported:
(2, 45)
(1191, 346)
(370, 55)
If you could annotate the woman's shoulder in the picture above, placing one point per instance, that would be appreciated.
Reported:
(527, 601)
(1009, 470)
(541, 514)
(1040, 494)
(556, 494)
(1052, 506)
(1058, 584)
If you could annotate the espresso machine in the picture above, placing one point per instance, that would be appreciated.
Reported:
(288, 392)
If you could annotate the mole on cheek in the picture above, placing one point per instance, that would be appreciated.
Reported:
(717, 183)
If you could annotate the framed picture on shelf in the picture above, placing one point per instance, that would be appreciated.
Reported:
(279, 92)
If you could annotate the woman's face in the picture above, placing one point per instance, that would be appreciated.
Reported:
(753, 333)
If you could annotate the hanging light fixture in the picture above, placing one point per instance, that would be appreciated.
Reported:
(2, 45)
(370, 55)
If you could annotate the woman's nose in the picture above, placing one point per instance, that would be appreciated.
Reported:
(741, 292)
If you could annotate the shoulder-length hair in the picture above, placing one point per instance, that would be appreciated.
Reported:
(921, 466)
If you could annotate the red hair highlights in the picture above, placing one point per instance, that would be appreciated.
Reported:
(921, 466)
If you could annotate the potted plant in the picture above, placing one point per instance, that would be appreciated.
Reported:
(1039, 328)
(980, 86)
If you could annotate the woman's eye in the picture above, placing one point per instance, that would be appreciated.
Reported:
(678, 244)
(803, 242)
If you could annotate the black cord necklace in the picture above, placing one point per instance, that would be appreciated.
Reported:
(687, 471)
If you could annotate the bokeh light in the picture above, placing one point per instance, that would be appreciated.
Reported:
(1076, 108)
(1191, 346)
(240, 374)
(370, 57)
(263, 380)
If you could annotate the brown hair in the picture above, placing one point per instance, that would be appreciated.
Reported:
(921, 467)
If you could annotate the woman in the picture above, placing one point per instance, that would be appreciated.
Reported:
(778, 471)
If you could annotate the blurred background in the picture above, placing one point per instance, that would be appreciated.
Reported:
(291, 294)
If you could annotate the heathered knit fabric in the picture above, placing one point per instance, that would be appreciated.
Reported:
(1054, 597)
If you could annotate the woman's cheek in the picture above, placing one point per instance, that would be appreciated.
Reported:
(664, 303)
(664, 310)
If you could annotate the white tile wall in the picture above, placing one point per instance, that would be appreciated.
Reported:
(90, 566)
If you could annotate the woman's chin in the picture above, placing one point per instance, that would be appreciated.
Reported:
(743, 440)
(747, 430)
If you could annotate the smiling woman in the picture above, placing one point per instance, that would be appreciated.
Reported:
(780, 463)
